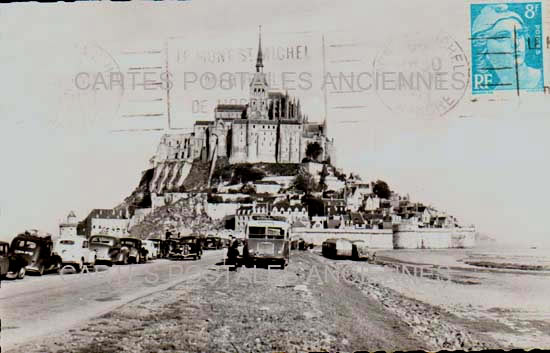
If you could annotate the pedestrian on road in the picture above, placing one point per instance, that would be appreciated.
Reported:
(233, 254)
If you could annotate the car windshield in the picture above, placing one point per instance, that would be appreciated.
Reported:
(188, 241)
(3, 250)
(101, 240)
(25, 244)
(129, 242)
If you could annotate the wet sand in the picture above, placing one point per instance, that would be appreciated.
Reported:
(510, 305)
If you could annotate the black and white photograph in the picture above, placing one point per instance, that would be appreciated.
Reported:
(274, 176)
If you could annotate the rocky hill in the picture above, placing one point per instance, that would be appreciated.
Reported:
(185, 216)
(141, 196)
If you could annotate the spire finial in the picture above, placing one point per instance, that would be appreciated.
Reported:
(259, 60)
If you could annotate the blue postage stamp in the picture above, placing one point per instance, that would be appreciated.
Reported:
(507, 45)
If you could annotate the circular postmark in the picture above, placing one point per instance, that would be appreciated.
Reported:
(88, 97)
(427, 75)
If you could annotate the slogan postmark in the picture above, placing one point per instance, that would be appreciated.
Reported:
(507, 47)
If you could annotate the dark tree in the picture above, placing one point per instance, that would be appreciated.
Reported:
(381, 189)
(246, 172)
(315, 206)
(282, 204)
(314, 150)
(304, 182)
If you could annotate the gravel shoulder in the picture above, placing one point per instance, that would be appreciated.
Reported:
(310, 306)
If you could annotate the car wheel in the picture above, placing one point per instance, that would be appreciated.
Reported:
(21, 273)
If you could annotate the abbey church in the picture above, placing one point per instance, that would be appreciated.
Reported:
(271, 128)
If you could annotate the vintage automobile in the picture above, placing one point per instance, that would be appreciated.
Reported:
(337, 248)
(4, 259)
(213, 242)
(187, 247)
(134, 249)
(106, 249)
(157, 245)
(169, 245)
(360, 250)
(267, 242)
(152, 251)
(226, 241)
(74, 251)
(10, 266)
(36, 251)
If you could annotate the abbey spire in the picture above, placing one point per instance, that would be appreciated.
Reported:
(260, 58)
(259, 87)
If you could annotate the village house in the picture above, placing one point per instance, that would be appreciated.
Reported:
(292, 213)
(372, 202)
(318, 222)
(69, 227)
(107, 222)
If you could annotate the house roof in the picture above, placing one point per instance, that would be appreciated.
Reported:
(107, 214)
(373, 216)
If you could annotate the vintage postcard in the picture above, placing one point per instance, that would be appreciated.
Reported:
(284, 176)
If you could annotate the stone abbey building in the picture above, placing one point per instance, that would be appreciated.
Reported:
(271, 128)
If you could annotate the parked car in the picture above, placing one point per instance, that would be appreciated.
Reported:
(226, 242)
(106, 249)
(360, 250)
(169, 245)
(187, 247)
(36, 252)
(336, 248)
(134, 249)
(74, 251)
(157, 244)
(152, 250)
(213, 242)
(4, 259)
(10, 265)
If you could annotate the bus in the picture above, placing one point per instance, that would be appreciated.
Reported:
(267, 241)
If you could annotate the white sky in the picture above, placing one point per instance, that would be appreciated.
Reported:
(484, 162)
